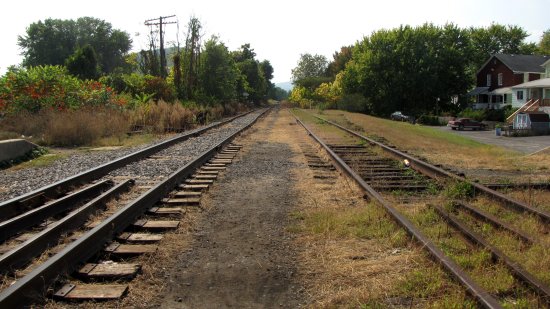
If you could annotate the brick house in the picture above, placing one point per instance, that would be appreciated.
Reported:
(495, 79)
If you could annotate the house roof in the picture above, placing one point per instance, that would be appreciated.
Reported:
(545, 63)
(478, 90)
(523, 63)
(520, 63)
(539, 83)
(501, 91)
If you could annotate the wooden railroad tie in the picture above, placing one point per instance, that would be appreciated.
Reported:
(194, 187)
(91, 291)
(205, 176)
(156, 225)
(206, 172)
(130, 249)
(140, 237)
(109, 271)
(186, 201)
(184, 194)
(166, 210)
(199, 181)
(213, 168)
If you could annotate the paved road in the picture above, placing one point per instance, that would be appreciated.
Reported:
(529, 144)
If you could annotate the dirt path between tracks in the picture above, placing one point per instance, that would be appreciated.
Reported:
(241, 254)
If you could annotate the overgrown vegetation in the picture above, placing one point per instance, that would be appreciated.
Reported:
(423, 70)
(79, 85)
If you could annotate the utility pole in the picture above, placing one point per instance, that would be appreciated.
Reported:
(159, 22)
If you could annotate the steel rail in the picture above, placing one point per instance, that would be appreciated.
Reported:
(494, 221)
(480, 295)
(435, 172)
(34, 216)
(34, 285)
(519, 272)
(34, 246)
(16, 205)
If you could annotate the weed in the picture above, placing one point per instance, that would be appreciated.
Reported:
(459, 190)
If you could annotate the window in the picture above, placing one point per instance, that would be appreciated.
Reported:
(488, 80)
(499, 77)
(519, 95)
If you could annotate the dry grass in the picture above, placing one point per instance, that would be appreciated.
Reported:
(69, 127)
(353, 255)
(444, 147)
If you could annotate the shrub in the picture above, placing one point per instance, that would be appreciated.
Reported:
(353, 103)
(53, 88)
(429, 120)
(478, 115)
(494, 115)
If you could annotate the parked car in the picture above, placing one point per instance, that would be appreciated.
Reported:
(466, 123)
(399, 116)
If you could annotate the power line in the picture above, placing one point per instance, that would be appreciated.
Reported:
(159, 22)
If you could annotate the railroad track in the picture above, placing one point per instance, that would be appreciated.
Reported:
(80, 245)
(493, 244)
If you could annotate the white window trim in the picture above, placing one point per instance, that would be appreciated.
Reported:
(488, 80)
(500, 79)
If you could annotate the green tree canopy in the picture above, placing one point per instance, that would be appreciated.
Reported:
(52, 41)
(497, 39)
(544, 44)
(339, 60)
(255, 75)
(414, 70)
(218, 73)
(83, 63)
(309, 66)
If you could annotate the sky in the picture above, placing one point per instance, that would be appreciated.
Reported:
(278, 31)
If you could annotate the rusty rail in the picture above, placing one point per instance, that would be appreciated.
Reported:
(519, 272)
(436, 172)
(481, 296)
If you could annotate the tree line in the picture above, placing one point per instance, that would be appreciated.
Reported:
(204, 72)
(419, 70)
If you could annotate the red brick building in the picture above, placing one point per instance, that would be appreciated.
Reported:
(502, 71)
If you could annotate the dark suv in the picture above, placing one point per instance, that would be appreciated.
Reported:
(399, 116)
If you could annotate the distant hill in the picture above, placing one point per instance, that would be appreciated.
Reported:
(286, 85)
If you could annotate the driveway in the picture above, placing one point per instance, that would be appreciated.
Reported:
(528, 144)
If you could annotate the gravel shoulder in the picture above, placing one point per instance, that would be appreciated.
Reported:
(14, 182)
(241, 255)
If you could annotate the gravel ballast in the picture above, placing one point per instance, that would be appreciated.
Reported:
(17, 182)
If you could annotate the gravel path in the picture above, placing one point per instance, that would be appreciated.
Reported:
(17, 182)
(242, 255)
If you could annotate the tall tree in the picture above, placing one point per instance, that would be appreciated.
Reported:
(218, 73)
(191, 56)
(253, 82)
(339, 60)
(544, 44)
(415, 70)
(52, 41)
(309, 66)
(496, 39)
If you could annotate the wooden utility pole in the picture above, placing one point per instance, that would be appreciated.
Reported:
(159, 22)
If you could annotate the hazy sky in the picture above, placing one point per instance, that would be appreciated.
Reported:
(278, 31)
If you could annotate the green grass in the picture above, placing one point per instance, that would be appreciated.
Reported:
(366, 223)
(41, 161)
